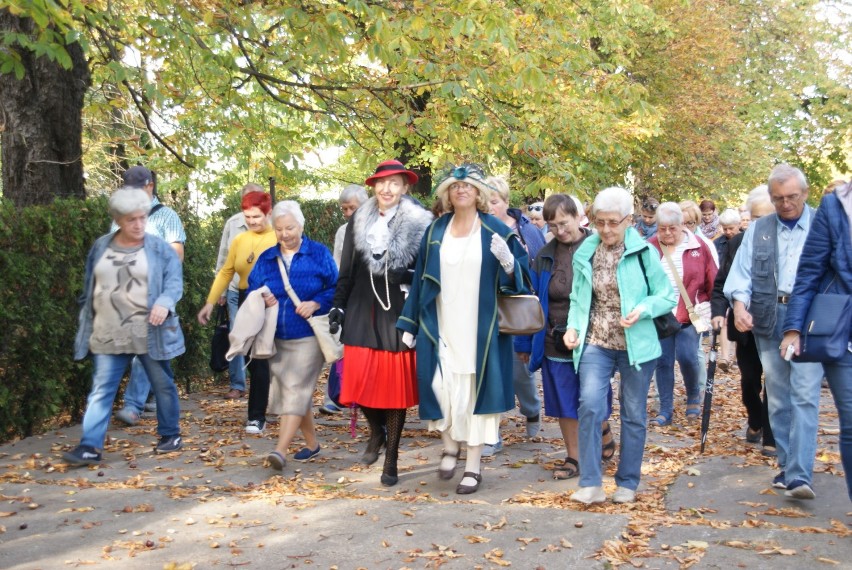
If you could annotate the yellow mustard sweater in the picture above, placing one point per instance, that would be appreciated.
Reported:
(244, 251)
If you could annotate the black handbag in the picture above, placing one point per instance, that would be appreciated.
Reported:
(666, 325)
(219, 343)
(825, 337)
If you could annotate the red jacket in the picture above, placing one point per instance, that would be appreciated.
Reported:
(699, 272)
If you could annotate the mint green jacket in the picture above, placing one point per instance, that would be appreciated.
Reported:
(642, 342)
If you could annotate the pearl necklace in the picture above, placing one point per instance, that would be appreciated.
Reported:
(387, 287)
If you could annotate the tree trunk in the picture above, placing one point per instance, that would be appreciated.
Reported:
(41, 123)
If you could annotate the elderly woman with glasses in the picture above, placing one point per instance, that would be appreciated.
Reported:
(619, 287)
(133, 282)
(687, 260)
(309, 269)
(552, 277)
(466, 258)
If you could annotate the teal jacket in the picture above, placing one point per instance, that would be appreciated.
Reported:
(642, 342)
(494, 388)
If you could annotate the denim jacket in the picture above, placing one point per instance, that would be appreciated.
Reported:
(165, 288)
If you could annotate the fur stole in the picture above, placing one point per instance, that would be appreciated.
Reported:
(406, 231)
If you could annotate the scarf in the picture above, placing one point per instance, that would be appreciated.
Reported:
(710, 229)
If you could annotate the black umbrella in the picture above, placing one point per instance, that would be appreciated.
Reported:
(708, 388)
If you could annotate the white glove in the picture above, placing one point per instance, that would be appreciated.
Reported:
(408, 339)
(501, 251)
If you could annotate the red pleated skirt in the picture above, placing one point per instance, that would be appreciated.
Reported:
(378, 378)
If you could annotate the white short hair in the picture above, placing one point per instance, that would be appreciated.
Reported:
(289, 207)
(669, 213)
(128, 200)
(613, 199)
(353, 192)
(730, 217)
(758, 196)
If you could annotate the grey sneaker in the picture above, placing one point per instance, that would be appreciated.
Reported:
(169, 443)
(127, 416)
(624, 495)
(82, 455)
(489, 450)
(533, 426)
(255, 426)
(151, 406)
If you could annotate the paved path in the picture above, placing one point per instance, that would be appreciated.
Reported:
(216, 505)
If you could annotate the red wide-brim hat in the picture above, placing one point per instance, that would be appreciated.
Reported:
(389, 168)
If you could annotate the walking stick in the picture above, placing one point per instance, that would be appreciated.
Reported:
(272, 189)
(708, 388)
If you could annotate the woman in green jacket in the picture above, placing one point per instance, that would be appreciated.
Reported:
(619, 287)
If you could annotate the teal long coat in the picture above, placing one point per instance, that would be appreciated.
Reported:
(494, 388)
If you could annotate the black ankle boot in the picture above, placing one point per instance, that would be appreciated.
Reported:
(374, 446)
(389, 480)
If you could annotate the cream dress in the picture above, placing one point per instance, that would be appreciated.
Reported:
(454, 383)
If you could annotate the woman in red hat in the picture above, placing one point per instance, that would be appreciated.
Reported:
(379, 252)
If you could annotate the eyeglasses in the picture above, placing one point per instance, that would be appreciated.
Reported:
(560, 227)
(791, 199)
(535, 208)
(668, 229)
(601, 224)
(689, 224)
(461, 186)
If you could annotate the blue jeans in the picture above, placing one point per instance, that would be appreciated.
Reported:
(839, 376)
(597, 366)
(792, 392)
(526, 388)
(681, 347)
(109, 368)
(138, 387)
(236, 368)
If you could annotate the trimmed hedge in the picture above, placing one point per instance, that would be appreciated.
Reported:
(42, 257)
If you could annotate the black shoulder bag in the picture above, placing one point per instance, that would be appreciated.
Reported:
(667, 325)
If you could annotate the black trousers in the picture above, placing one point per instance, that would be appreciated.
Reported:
(259, 385)
(753, 394)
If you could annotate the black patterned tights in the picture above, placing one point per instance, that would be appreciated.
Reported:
(389, 424)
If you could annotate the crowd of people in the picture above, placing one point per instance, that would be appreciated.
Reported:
(414, 294)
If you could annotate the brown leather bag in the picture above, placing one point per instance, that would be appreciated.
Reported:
(519, 314)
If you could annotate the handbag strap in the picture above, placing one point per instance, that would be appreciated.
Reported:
(684, 295)
(222, 315)
(287, 287)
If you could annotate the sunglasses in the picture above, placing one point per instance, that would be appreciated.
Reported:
(535, 208)
(649, 207)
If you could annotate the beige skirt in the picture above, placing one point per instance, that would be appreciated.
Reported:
(293, 373)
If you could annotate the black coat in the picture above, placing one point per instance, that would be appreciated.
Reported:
(719, 305)
(366, 323)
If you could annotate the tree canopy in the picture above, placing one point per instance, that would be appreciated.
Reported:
(693, 98)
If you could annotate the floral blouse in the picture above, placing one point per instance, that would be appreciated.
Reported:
(605, 330)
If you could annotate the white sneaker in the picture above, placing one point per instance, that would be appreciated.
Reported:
(255, 426)
(589, 495)
(800, 490)
(623, 495)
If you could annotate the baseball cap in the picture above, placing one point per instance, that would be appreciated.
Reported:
(137, 177)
